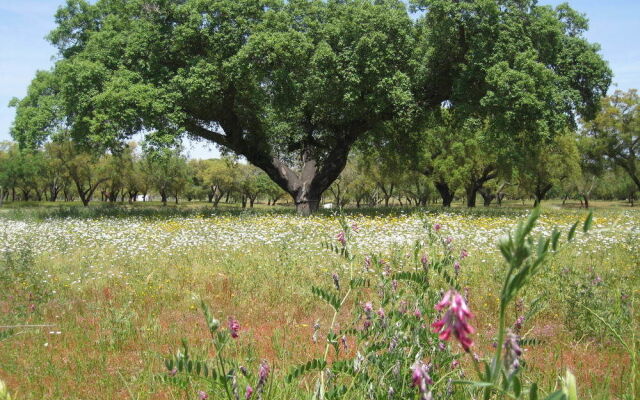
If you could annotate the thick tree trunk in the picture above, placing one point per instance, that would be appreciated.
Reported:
(487, 196)
(53, 194)
(471, 196)
(307, 207)
(541, 193)
(163, 196)
(445, 193)
(216, 200)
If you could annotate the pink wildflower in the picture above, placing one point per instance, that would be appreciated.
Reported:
(464, 254)
(202, 395)
(234, 327)
(341, 238)
(424, 260)
(263, 372)
(420, 378)
(437, 227)
(455, 319)
(381, 313)
(456, 267)
(368, 307)
(248, 392)
(343, 340)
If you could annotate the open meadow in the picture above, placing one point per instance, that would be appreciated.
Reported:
(111, 292)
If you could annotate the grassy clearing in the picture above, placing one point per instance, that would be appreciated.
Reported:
(116, 288)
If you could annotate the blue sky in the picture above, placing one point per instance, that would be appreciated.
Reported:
(615, 24)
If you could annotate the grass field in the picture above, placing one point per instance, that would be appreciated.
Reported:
(114, 289)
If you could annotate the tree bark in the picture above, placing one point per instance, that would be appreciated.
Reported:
(541, 193)
(445, 193)
(305, 185)
(487, 196)
(471, 196)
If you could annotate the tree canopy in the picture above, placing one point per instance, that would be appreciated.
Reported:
(293, 85)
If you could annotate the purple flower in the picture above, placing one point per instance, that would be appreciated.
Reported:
(518, 324)
(248, 392)
(464, 254)
(437, 227)
(341, 238)
(202, 395)
(367, 324)
(367, 263)
(455, 319)
(343, 340)
(234, 327)
(417, 313)
(456, 267)
(420, 378)
(263, 372)
(424, 260)
(355, 227)
(173, 372)
(513, 351)
(368, 307)
(448, 240)
(381, 313)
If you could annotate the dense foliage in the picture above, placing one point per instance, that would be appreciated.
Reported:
(293, 85)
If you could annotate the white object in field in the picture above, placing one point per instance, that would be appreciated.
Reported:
(327, 206)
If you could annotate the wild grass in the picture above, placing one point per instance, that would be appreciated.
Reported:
(88, 323)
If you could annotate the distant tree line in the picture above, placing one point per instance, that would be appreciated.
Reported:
(62, 171)
(597, 160)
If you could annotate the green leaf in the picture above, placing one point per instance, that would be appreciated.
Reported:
(533, 391)
(312, 365)
(558, 395)
(587, 222)
(572, 232)
(473, 383)
(329, 298)
(359, 283)
(555, 236)
(517, 387)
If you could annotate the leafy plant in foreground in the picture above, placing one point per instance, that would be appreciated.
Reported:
(392, 325)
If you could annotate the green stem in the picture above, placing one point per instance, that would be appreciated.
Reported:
(224, 373)
(498, 356)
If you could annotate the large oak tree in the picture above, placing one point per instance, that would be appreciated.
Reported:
(293, 85)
